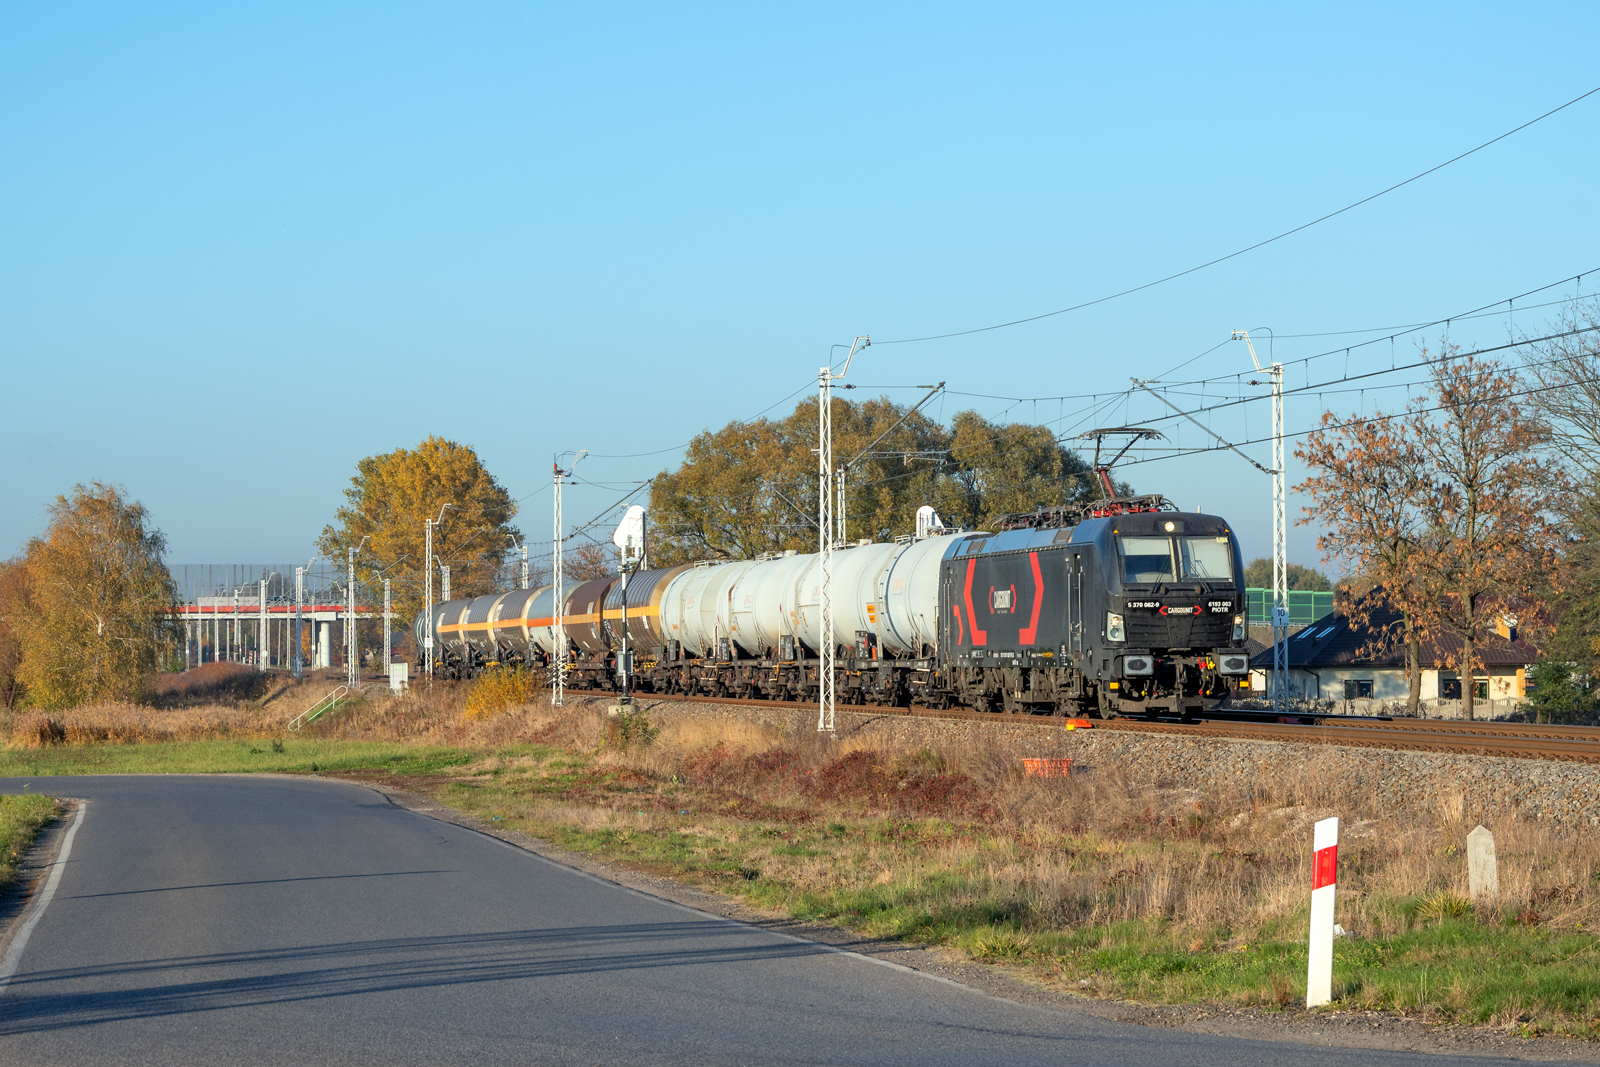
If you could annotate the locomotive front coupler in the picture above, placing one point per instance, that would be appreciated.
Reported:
(1170, 683)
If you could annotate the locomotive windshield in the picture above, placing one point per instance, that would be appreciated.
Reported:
(1206, 557)
(1164, 559)
(1146, 559)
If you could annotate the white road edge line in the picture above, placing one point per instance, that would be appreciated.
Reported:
(13, 957)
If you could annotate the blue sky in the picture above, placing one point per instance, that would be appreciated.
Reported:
(242, 248)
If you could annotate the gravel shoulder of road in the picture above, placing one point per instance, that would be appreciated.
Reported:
(1337, 1029)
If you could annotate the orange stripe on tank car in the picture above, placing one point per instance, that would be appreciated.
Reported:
(550, 620)
(634, 613)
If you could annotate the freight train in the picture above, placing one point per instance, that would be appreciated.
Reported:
(1116, 607)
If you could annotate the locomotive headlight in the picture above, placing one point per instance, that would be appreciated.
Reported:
(1238, 628)
(1115, 630)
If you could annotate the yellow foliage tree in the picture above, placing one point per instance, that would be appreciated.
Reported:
(13, 596)
(393, 495)
(96, 620)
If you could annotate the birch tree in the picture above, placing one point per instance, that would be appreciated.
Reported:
(97, 618)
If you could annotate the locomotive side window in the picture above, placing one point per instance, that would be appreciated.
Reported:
(1206, 557)
(1146, 559)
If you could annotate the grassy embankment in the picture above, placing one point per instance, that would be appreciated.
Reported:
(21, 819)
(1103, 883)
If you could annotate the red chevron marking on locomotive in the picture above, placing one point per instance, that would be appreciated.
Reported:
(979, 637)
(1029, 633)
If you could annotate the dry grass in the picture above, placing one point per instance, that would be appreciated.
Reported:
(1134, 887)
(1137, 887)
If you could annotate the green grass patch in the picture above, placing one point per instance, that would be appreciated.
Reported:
(22, 816)
(293, 756)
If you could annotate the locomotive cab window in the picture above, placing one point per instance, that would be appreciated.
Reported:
(1146, 559)
(1205, 557)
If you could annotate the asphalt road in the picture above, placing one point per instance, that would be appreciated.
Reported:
(235, 920)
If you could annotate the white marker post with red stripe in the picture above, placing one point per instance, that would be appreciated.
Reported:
(1324, 871)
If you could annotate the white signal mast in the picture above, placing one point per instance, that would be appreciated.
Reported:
(826, 532)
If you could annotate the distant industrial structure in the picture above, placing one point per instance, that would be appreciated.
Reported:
(261, 614)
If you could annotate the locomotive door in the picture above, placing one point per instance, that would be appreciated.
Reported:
(1075, 604)
(1072, 614)
(950, 638)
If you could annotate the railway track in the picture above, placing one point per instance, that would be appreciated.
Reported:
(1580, 744)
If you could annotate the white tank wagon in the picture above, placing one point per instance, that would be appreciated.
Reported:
(885, 605)
(884, 594)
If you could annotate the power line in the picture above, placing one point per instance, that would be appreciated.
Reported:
(1328, 385)
(1249, 248)
(1358, 421)
(1412, 327)
(1401, 332)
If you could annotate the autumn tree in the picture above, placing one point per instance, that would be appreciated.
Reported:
(587, 563)
(393, 495)
(96, 619)
(895, 459)
(1566, 371)
(750, 488)
(1369, 478)
(1574, 640)
(741, 491)
(1486, 514)
(996, 470)
(13, 597)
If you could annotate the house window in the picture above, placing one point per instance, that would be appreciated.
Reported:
(1357, 688)
(1449, 688)
(1480, 690)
